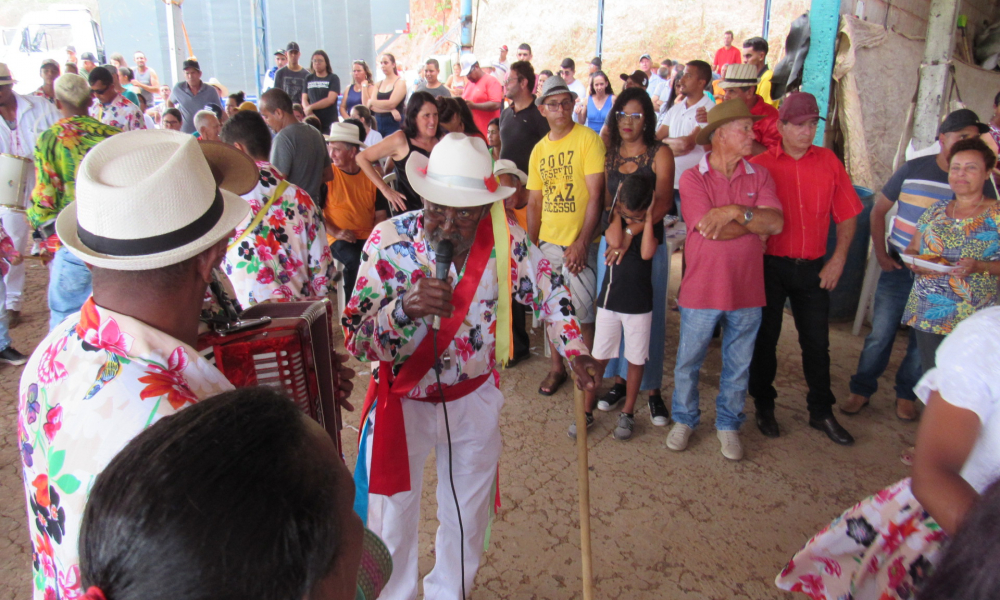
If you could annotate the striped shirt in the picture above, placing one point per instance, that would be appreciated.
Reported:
(917, 185)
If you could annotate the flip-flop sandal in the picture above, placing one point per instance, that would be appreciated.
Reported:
(551, 384)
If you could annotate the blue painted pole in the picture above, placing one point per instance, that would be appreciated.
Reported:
(600, 28)
(466, 18)
(824, 19)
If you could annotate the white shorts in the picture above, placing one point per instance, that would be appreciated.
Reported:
(608, 335)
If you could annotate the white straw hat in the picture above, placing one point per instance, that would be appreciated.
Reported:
(349, 133)
(458, 173)
(150, 199)
(506, 166)
(739, 75)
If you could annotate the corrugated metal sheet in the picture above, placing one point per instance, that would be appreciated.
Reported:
(222, 33)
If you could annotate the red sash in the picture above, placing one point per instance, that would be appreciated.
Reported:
(390, 465)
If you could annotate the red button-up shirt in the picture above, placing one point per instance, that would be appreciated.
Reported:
(765, 131)
(811, 189)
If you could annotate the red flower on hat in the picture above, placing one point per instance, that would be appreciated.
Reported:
(491, 183)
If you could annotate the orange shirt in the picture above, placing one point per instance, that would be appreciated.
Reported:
(350, 203)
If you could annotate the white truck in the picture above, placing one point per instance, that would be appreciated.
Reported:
(46, 34)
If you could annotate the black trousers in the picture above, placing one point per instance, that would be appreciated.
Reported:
(797, 281)
(519, 325)
(349, 254)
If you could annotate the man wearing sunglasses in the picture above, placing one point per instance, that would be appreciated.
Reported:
(565, 184)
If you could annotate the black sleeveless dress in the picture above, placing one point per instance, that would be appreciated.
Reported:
(413, 201)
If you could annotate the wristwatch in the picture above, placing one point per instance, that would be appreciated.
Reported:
(747, 215)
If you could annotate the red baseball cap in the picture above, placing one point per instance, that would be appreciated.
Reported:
(799, 107)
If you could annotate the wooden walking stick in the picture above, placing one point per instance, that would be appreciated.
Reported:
(583, 476)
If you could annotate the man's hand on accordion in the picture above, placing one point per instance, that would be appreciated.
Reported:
(346, 383)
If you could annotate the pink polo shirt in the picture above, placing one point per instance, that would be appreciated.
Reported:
(723, 275)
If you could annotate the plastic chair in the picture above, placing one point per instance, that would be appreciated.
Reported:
(866, 304)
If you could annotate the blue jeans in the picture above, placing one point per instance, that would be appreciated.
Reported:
(739, 331)
(890, 300)
(652, 374)
(69, 286)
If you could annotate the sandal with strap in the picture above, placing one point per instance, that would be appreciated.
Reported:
(552, 383)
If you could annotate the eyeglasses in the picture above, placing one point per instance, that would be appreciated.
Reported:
(624, 116)
(462, 216)
(558, 106)
(98, 92)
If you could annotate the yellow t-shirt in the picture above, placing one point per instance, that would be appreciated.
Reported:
(558, 169)
(764, 88)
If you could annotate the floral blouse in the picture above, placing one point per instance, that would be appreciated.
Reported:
(938, 302)
(396, 256)
(95, 382)
(286, 256)
(120, 113)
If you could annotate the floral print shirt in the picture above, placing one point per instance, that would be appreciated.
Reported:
(58, 154)
(396, 256)
(938, 302)
(286, 256)
(120, 113)
(95, 382)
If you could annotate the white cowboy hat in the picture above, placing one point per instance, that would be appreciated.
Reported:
(508, 167)
(150, 199)
(458, 173)
(349, 133)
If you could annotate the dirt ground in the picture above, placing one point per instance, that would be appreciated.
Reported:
(686, 526)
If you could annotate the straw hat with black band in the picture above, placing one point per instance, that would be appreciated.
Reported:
(739, 76)
(730, 110)
(154, 198)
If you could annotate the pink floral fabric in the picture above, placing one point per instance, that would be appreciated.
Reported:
(120, 113)
(397, 256)
(883, 548)
(286, 256)
(95, 382)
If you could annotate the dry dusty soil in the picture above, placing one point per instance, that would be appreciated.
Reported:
(686, 526)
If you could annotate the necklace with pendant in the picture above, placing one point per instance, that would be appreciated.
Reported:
(958, 222)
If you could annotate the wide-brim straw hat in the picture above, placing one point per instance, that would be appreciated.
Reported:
(375, 568)
(152, 198)
(223, 90)
(5, 77)
(458, 173)
(346, 133)
(739, 75)
(720, 114)
(506, 166)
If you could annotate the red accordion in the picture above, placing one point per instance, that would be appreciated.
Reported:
(284, 345)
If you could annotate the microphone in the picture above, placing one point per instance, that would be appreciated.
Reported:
(445, 249)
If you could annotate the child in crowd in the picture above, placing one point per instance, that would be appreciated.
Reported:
(626, 298)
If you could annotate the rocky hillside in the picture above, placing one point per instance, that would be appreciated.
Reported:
(678, 29)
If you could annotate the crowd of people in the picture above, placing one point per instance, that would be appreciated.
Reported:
(576, 188)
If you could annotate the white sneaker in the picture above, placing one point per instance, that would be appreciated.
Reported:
(731, 447)
(677, 439)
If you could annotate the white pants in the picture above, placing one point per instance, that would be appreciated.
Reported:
(475, 445)
(16, 225)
